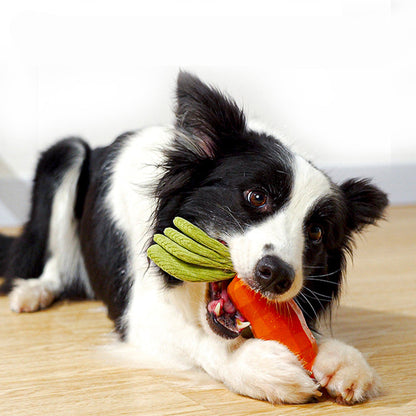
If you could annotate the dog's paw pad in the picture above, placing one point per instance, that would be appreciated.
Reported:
(30, 296)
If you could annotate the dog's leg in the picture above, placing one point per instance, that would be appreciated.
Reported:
(345, 373)
(56, 204)
(264, 370)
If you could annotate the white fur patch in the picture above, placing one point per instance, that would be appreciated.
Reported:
(130, 203)
(64, 244)
(344, 373)
(267, 370)
(30, 296)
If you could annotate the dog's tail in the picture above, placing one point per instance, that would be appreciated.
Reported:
(5, 244)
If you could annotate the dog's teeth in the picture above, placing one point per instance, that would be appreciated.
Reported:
(218, 309)
(240, 317)
(241, 325)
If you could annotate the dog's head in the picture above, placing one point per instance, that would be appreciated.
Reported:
(288, 226)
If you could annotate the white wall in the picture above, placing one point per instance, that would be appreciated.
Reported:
(335, 77)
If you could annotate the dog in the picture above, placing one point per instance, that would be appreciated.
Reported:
(288, 227)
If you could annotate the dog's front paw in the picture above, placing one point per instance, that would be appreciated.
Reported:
(344, 373)
(267, 370)
(30, 295)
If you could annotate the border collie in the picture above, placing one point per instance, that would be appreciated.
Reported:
(287, 225)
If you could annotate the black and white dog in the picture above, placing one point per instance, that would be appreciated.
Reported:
(288, 227)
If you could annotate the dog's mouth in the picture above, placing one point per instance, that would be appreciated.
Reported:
(222, 316)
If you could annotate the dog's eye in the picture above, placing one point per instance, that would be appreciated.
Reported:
(257, 199)
(315, 233)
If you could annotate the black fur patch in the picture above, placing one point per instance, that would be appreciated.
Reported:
(82, 185)
(5, 244)
(355, 204)
(365, 202)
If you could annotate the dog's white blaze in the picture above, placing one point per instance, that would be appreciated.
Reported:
(284, 230)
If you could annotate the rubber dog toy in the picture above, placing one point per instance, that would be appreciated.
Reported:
(196, 257)
(283, 322)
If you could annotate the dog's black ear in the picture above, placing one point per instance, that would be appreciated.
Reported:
(205, 115)
(365, 203)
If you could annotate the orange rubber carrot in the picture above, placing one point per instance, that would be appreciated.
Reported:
(282, 322)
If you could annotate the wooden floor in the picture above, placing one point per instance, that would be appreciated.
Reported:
(52, 363)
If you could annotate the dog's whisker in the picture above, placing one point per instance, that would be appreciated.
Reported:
(312, 276)
(323, 280)
(313, 299)
(317, 294)
(282, 172)
(302, 309)
(313, 267)
(310, 304)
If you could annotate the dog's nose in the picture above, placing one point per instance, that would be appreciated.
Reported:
(274, 275)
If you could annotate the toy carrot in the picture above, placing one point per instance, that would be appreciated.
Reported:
(283, 322)
(194, 256)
